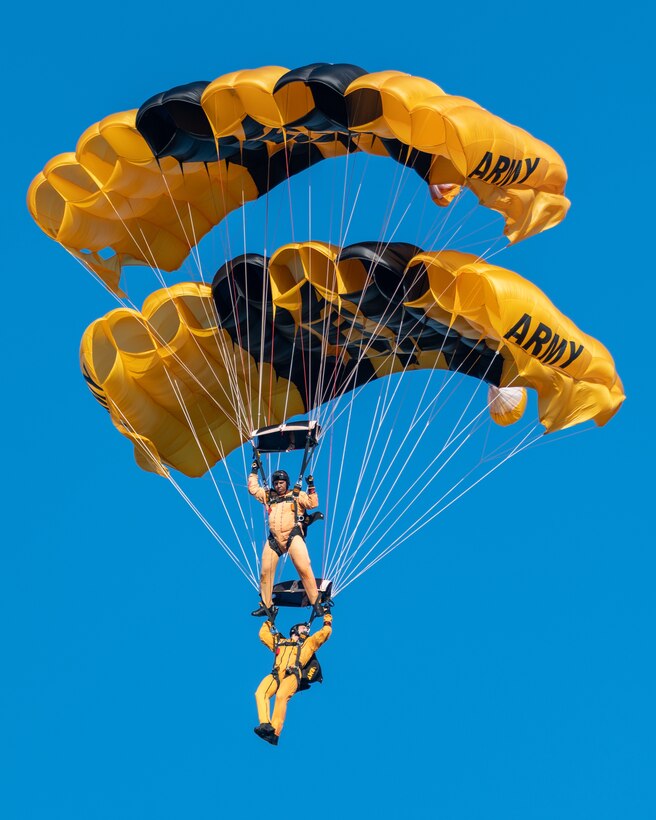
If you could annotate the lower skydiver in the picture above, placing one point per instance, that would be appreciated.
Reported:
(294, 669)
(287, 527)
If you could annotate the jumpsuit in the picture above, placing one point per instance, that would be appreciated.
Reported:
(282, 525)
(288, 672)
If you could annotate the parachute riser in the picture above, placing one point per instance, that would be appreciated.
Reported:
(310, 444)
(258, 458)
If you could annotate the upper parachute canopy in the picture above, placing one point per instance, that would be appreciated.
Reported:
(282, 337)
(143, 187)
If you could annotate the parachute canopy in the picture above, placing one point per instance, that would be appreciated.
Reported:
(278, 338)
(143, 187)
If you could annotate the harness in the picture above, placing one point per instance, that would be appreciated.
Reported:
(299, 518)
(305, 675)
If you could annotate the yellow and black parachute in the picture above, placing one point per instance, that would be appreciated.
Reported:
(144, 186)
(283, 336)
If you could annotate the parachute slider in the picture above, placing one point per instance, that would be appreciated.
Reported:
(292, 593)
(283, 438)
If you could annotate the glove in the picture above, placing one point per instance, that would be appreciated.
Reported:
(255, 466)
(310, 480)
(321, 609)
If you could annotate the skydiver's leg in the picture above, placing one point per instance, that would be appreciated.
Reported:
(265, 691)
(287, 688)
(298, 552)
(269, 564)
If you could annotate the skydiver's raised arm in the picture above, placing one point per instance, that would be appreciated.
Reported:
(254, 487)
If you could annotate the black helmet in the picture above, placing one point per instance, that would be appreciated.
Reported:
(302, 630)
(280, 475)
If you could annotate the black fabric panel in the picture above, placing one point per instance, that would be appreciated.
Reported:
(271, 341)
(174, 124)
(327, 83)
(475, 359)
(252, 128)
(230, 148)
(469, 356)
(96, 390)
(419, 161)
(417, 281)
(363, 106)
(386, 263)
(268, 171)
(382, 300)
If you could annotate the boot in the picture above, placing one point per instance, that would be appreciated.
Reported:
(267, 732)
(264, 611)
(263, 730)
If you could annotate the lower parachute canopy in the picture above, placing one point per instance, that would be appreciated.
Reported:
(189, 377)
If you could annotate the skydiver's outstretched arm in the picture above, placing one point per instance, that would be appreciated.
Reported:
(266, 635)
(310, 499)
(319, 638)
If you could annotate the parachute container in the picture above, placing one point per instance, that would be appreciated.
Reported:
(292, 593)
(283, 438)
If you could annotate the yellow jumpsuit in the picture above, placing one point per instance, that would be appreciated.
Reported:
(286, 652)
(282, 520)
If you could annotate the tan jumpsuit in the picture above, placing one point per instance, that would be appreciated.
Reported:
(282, 520)
(285, 656)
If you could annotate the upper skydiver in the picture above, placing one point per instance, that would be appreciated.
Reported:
(287, 524)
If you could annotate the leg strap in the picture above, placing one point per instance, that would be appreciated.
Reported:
(296, 530)
(275, 546)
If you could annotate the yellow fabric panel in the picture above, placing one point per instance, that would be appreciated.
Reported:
(230, 98)
(163, 374)
(293, 265)
(575, 381)
(146, 212)
(398, 94)
(527, 212)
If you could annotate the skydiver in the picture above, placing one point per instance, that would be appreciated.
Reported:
(286, 510)
(294, 669)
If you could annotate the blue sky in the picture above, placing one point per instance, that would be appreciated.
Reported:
(501, 665)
